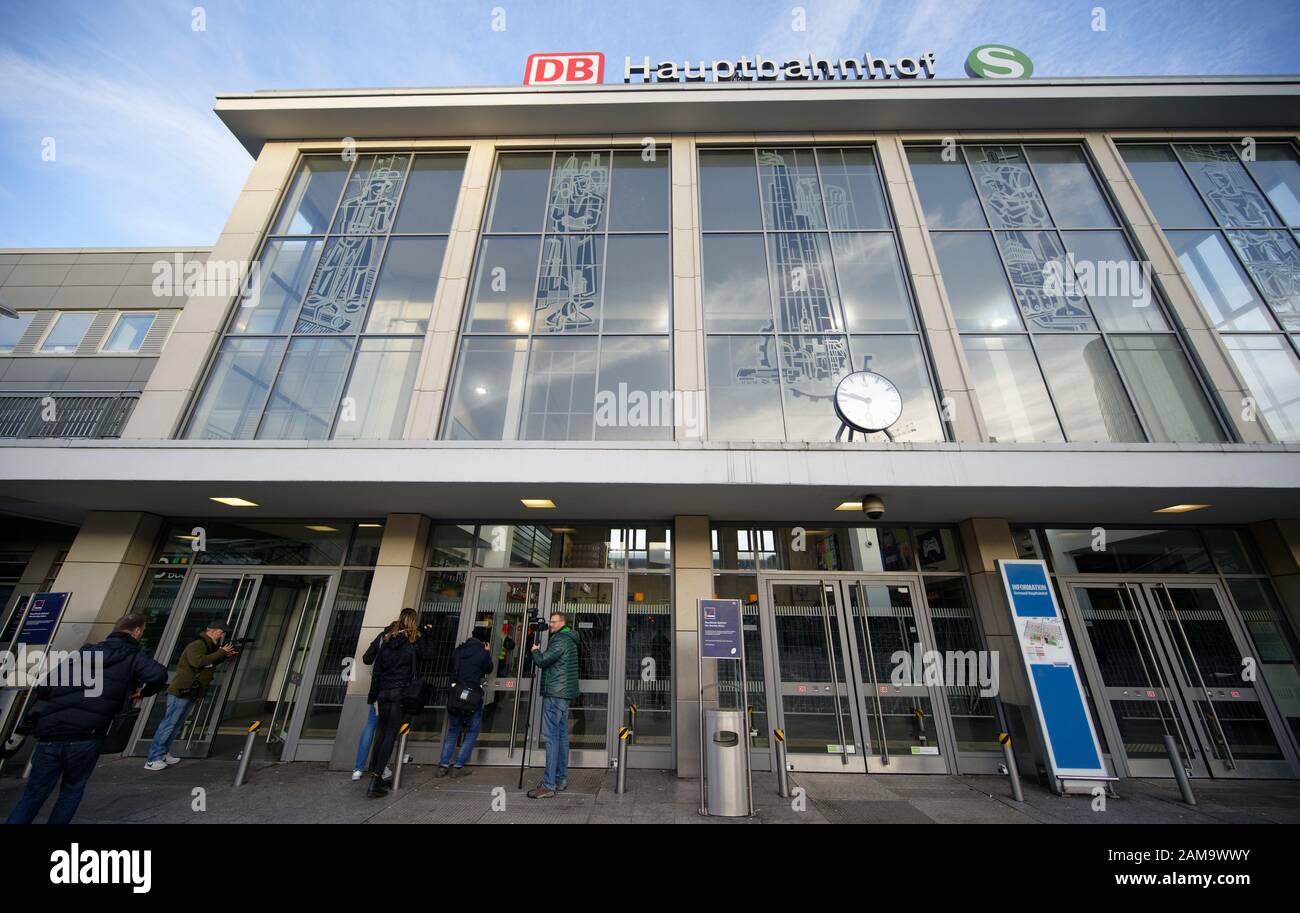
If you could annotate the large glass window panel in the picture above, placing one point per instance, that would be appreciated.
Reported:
(306, 393)
(309, 205)
(560, 396)
(901, 360)
(429, 200)
(1038, 268)
(12, 330)
(369, 203)
(379, 390)
(1221, 284)
(1273, 260)
(1090, 398)
(1273, 377)
(1277, 171)
(649, 657)
(1113, 280)
(569, 283)
(128, 333)
(640, 192)
(851, 188)
(729, 191)
(744, 389)
(1275, 643)
(282, 276)
(1165, 186)
(1010, 387)
(871, 283)
(736, 297)
(1135, 551)
(488, 393)
(811, 368)
(1168, 396)
(331, 685)
(69, 329)
(976, 284)
(1228, 190)
(791, 193)
(407, 282)
(505, 286)
(638, 276)
(1071, 190)
(579, 192)
(340, 290)
(634, 400)
(518, 200)
(236, 387)
(1007, 187)
(947, 195)
(803, 283)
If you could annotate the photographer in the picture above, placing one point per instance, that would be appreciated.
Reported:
(559, 665)
(471, 661)
(396, 686)
(194, 673)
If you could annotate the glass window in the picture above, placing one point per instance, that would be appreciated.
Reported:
(579, 192)
(803, 283)
(1273, 377)
(638, 275)
(345, 276)
(901, 359)
(634, 400)
(1275, 643)
(1114, 281)
(260, 543)
(1167, 393)
(271, 306)
(518, 201)
(811, 368)
(560, 396)
(366, 541)
(947, 195)
(1273, 260)
(1165, 186)
(331, 685)
(936, 549)
(735, 281)
(1227, 188)
(505, 289)
(451, 546)
(12, 329)
(489, 389)
(1134, 551)
(1033, 258)
(309, 205)
(791, 193)
(306, 393)
(639, 192)
(155, 600)
(236, 388)
(407, 283)
(744, 389)
(649, 657)
(369, 203)
(1010, 388)
(729, 191)
(976, 285)
(1277, 171)
(128, 333)
(429, 200)
(853, 194)
(69, 329)
(1071, 190)
(1086, 388)
(1231, 550)
(379, 390)
(871, 283)
(569, 283)
(1007, 187)
(1219, 280)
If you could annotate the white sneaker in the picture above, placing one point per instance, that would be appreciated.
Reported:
(171, 759)
(155, 765)
(356, 775)
(388, 772)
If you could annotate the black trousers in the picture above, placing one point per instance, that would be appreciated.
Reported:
(390, 720)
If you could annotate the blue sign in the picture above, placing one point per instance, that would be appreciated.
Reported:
(1072, 747)
(720, 629)
(43, 611)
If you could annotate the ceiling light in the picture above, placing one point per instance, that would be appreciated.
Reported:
(1180, 508)
(850, 505)
(234, 502)
(371, 525)
(537, 502)
(322, 528)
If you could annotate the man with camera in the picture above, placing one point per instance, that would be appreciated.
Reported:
(469, 663)
(194, 673)
(559, 665)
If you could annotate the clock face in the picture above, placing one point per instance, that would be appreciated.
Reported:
(868, 402)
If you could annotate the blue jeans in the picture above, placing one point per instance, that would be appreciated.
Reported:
(455, 725)
(555, 730)
(178, 708)
(74, 762)
(367, 738)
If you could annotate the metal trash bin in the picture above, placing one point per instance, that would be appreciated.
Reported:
(728, 760)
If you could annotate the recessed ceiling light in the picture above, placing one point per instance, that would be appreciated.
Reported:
(850, 505)
(234, 502)
(563, 529)
(537, 502)
(1180, 508)
(322, 528)
(371, 525)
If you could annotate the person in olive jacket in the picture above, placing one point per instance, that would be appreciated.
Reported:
(559, 665)
(194, 673)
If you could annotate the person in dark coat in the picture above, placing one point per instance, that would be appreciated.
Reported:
(74, 719)
(469, 663)
(396, 667)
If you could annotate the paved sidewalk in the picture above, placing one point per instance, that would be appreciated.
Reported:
(123, 792)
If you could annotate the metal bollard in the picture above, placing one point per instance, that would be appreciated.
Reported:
(401, 755)
(782, 774)
(631, 708)
(1180, 773)
(247, 754)
(1013, 772)
(620, 776)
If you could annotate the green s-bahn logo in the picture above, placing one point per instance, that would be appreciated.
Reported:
(998, 61)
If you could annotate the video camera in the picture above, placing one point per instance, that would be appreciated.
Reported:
(537, 624)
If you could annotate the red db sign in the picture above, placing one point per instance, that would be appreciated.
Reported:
(564, 69)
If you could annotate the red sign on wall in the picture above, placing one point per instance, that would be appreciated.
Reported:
(564, 69)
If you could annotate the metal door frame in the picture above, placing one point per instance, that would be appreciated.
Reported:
(578, 757)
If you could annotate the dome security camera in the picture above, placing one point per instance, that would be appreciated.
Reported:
(873, 506)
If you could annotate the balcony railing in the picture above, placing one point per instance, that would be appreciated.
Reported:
(65, 414)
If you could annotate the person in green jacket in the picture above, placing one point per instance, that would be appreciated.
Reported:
(194, 673)
(559, 665)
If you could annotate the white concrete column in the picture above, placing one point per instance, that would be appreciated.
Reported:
(692, 580)
(688, 291)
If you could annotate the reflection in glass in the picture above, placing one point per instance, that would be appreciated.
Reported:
(1220, 283)
(744, 389)
(791, 193)
(1273, 378)
(306, 393)
(429, 200)
(1114, 281)
(340, 291)
(637, 278)
(639, 192)
(871, 283)
(369, 203)
(976, 284)
(309, 204)
(803, 283)
(1277, 171)
(504, 289)
(407, 283)
(1165, 186)
(1037, 266)
(1007, 187)
(1069, 187)
(729, 190)
(488, 394)
(1086, 388)
(901, 359)
(1011, 393)
(1273, 261)
(1167, 393)
(561, 392)
(379, 390)
(735, 282)
(232, 398)
(947, 195)
(851, 187)
(1227, 189)
(518, 201)
(634, 399)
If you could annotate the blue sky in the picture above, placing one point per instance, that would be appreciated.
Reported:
(125, 89)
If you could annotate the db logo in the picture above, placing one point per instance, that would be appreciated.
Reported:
(564, 69)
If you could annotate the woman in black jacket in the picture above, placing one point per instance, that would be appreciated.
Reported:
(397, 654)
